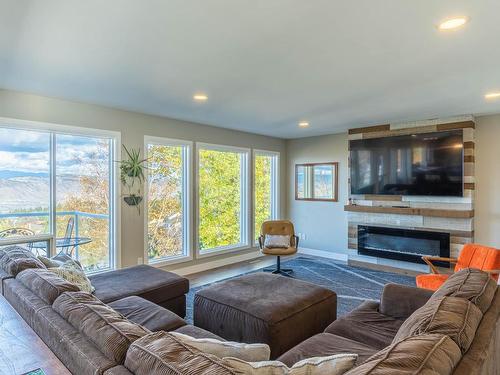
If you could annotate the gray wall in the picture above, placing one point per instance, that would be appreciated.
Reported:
(133, 126)
(325, 224)
(487, 204)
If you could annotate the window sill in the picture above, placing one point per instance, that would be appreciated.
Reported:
(97, 272)
(223, 250)
(168, 261)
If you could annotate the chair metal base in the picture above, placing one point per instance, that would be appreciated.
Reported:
(278, 270)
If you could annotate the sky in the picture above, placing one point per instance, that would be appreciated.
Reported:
(26, 153)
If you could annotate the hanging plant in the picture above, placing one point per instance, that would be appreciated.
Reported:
(132, 171)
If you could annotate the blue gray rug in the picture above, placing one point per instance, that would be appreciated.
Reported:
(353, 285)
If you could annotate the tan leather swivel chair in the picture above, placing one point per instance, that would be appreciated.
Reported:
(278, 227)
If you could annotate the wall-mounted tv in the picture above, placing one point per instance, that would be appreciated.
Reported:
(416, 164)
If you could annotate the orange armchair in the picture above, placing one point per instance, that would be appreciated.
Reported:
(472, 256)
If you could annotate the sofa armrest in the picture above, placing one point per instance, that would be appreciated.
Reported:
(400, 301)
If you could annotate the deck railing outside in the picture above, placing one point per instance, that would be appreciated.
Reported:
(76, 214)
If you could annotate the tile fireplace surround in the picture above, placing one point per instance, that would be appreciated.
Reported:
(453, 215)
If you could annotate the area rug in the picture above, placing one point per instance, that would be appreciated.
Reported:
(353, 285)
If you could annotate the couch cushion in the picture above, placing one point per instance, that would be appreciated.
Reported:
(144, 281)
(400, 301)
(147, 314)
(325, 344)
(162, 353)
(15, 259)
(197, 332)
(45, 284)
(3, 277)
(430, 354)
(452, 316)
(365, 324)
(108, 330)
(472, 284)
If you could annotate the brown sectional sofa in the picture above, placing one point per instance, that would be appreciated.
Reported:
(375, 328)
(32, 291)
(453, 331)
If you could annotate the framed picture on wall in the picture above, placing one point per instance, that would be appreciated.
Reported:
(316, 181)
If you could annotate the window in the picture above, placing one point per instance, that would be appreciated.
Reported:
(82, 190)
(168, 191)
(60, 184)
(222, 198)
(25, 164)
(266, 198)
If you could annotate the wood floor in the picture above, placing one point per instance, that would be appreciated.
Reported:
(21, 350)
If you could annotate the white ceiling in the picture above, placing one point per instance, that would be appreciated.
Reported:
(265, 64)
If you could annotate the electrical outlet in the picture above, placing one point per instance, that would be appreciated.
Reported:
(140, 260)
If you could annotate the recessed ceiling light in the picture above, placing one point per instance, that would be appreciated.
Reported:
(303, 124)
(492, 95)
(453, 23)
(200, 97)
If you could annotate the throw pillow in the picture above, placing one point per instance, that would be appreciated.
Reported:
(73, 272)
(336, 364)
(163, 353)
(221, 349)
(276, 241)
(49, 262)
(63, 258)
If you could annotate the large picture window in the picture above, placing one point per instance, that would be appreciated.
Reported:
(60, 184)
(168, 187)
(222, 198)
(266, 200)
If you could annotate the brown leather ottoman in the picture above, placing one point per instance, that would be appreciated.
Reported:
(265, 308)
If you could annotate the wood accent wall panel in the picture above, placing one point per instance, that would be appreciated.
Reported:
(451, 215)
(369, 129)
(411, 211)
(456, 125)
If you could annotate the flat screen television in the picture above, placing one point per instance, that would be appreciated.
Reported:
(416, 164)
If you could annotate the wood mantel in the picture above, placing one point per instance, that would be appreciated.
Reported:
(462, 214)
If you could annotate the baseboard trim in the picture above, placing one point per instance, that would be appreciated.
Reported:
(324, 254)
(205, 266)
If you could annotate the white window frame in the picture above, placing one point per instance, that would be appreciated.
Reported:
(275, 186)
(114, 186)
(245, 201)
(187, 189)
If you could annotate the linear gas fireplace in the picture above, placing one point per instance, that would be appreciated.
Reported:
(402, 244)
